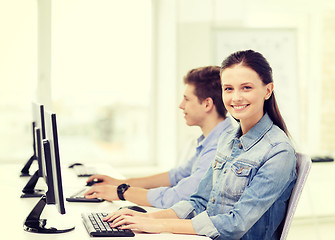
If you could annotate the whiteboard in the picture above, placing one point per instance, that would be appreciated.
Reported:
(278, 46)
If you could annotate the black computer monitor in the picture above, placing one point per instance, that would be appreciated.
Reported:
(54, 196)
(38, 122)
(51, 142)
(29, 189)
(39, 133)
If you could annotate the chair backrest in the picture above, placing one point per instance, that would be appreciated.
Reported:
(303, 167)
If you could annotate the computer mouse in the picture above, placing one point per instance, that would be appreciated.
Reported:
(75, 164)
(135, 208)
(94, 181)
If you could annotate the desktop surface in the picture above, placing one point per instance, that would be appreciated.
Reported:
(15, 209)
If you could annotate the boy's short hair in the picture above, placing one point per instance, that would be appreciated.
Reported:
(207, 83)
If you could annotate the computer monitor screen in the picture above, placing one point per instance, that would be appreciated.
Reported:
(50, 194)
(37, 122)
(40, 154)
(51, 144)
(38, 117)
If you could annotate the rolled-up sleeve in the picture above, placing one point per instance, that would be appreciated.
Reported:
(203, 225)
(184, 210)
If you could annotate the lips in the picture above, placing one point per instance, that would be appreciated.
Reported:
(239, 107)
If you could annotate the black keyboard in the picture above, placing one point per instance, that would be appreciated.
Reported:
(79, 197)
(84, 171)
(96, 227)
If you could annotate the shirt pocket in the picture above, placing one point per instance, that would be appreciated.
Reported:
(237, 179)
(218, 165)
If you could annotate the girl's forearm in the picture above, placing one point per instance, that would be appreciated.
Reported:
(171, 223)
(166, 213)
(180, 226)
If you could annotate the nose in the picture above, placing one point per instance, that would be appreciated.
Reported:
(181, 105)
(237, 96)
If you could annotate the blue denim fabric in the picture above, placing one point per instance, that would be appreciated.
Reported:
(185, 178)
(245, 192)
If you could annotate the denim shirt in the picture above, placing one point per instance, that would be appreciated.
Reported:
(245, 192)
(184, 179)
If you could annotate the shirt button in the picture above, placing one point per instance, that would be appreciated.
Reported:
(213, 200)
(225, 171)
(240, 145)
(239, 171)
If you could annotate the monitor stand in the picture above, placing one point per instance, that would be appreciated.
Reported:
(29, 190)
(25, 169)
(35, 224)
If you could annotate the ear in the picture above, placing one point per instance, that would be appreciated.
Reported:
(269, 90)
(208, 103)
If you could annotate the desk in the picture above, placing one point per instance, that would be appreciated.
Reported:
(14, 209)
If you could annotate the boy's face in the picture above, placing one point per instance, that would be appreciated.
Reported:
(194, 111)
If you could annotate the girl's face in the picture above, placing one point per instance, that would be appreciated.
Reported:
(244, 94)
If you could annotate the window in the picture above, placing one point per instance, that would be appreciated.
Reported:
(18, 78)
(101, 79)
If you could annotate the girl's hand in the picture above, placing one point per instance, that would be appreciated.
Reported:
(129, 219)
(125, 211)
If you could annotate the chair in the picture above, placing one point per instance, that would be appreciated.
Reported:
(303, 167)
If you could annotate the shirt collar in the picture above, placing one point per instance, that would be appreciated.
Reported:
(215, 133)
(255, 133)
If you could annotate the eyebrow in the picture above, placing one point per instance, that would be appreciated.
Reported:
(245, 83)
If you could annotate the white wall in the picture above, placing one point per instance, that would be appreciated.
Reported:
(197, 20)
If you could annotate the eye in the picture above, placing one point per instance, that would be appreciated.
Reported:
(247, 88)
(227, 89)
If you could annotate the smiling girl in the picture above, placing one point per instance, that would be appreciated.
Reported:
(245, 192)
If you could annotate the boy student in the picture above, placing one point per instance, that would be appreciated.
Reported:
(202, 106)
